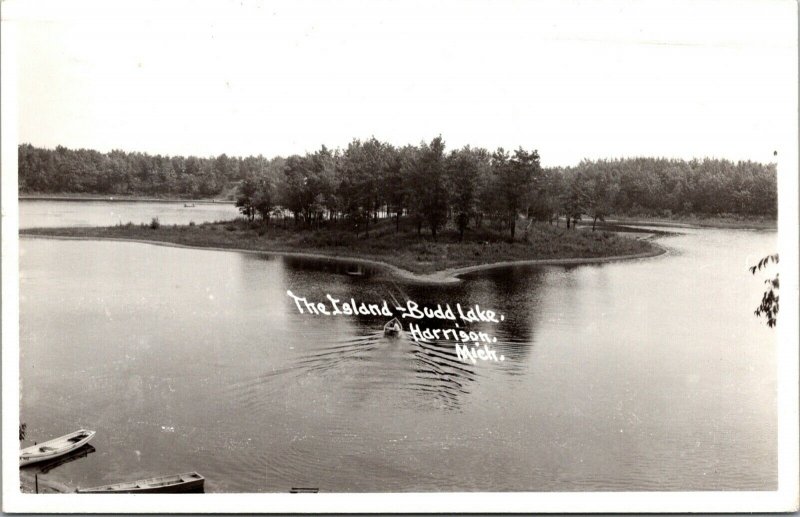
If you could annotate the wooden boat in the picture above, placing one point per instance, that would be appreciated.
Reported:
(188, 205)
(304, 490)
(393, 327)
(176, 483)
(54, 448)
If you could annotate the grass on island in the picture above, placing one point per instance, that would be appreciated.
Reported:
(405, 249)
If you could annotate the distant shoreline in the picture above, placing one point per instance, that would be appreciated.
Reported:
(690, 221)
(730, 223)
(446, 276)
(113, 199)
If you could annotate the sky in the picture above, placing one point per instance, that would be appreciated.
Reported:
(573, 79)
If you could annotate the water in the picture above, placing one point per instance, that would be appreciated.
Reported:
(643, 375)
(35, 213)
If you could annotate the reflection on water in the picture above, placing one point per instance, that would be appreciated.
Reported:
(35, 213)
(642, 375)
(43, 467)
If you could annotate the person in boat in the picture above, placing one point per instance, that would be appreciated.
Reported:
(394, 326)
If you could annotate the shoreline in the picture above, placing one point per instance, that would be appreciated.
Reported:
(116, 199)
(27, 483)
(445, 276)
(697, 223)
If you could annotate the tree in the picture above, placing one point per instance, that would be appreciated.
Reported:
(514, 178)
(543, 203)
(428, 182)
(320, 184)
(770, 300)
(295, 193)
(396, 189)
(573, 200)
(600, 195)
(463, 175)
(263, 200)
(246, 198)
(360, 171)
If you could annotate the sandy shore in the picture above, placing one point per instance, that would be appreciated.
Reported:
(446, 276)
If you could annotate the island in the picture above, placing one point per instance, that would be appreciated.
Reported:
(402, 253)
(419, 211)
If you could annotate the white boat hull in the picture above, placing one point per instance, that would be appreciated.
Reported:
(55, 448)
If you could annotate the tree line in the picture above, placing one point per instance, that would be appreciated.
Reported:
(660, 186)
(426, 185)
(85, 171)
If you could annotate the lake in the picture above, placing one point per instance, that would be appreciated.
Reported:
(47, 213)
(650, 374)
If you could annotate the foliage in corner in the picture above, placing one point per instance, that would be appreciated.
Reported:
(769, 301)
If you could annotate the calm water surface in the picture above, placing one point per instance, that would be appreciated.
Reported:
(643, 375)
(35, 213)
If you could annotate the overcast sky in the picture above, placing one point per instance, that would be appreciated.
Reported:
(571, 79)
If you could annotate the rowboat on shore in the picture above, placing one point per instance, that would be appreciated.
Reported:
(54, 448)
(393, 327)
(173, 484)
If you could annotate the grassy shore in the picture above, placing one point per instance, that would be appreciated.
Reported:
(404, 249)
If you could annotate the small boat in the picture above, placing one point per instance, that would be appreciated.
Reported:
(176, 483)
(188, 205)
(357, 271)
(304, 490)
(54, 448)
(393, 327)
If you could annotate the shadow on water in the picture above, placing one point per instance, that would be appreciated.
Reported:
(43, 467)
(338, 267)
(515, 292)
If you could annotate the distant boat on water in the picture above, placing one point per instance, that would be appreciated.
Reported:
(55, 448)
(173, 484)
(393, 327)
(188, 205)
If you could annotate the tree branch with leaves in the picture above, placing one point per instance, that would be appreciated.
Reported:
(769, 301)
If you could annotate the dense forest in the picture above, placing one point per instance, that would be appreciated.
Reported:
(425, 184)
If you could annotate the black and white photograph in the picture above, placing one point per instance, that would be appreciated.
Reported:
(400, 256)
